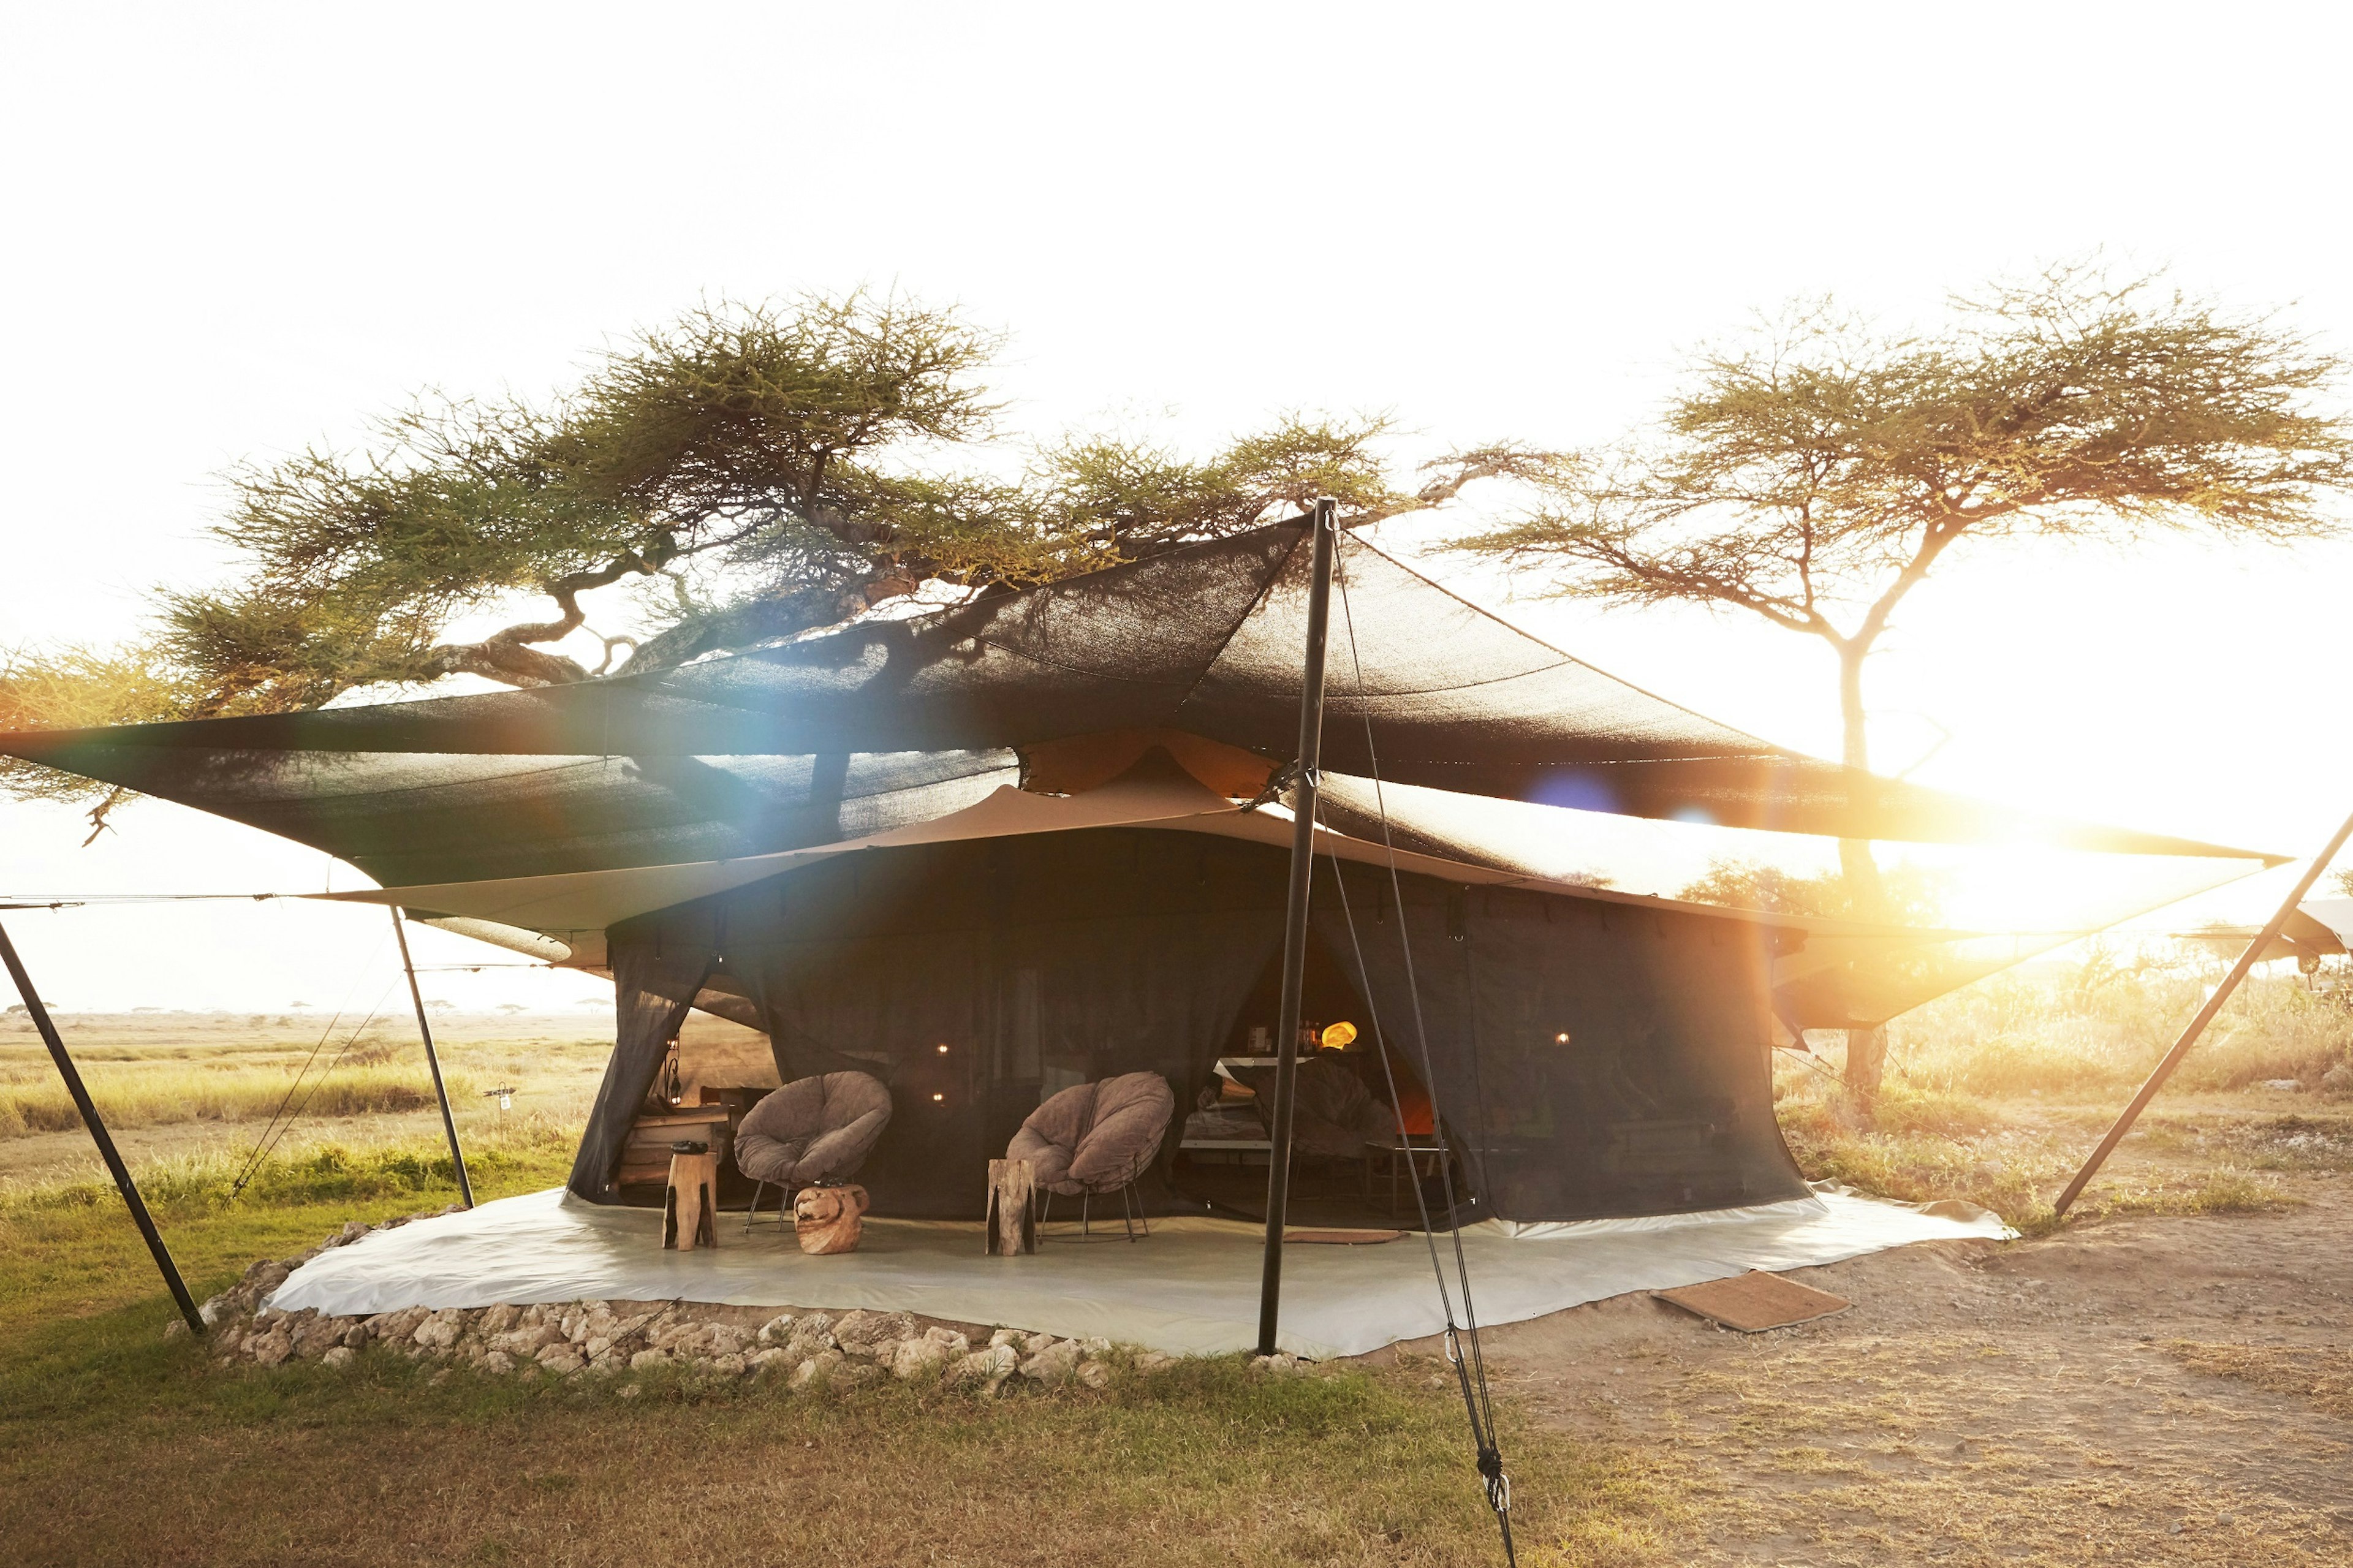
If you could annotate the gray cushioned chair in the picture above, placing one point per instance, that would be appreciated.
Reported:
(812, 1129)
(1097, 1138)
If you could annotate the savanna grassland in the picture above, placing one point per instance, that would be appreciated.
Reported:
(2161, 1378)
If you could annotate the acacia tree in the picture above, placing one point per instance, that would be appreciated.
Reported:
(765, 469)
(1813, 473)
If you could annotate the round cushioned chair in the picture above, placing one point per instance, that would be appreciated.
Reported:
(812, 1129)
(1097, 1138)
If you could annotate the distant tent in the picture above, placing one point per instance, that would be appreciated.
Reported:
(1042, 831)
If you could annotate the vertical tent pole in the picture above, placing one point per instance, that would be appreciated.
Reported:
(1294, 927)
(440, 1089)
(106, 1150)
(2247, 960)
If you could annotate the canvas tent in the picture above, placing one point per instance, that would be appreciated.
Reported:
(1042, 830)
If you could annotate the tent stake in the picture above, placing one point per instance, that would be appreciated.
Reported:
(98, 1135)
(2247, 960)
(440, 1089)
(1294, 925)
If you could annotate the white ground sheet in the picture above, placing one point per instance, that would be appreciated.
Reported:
(1190, 1289)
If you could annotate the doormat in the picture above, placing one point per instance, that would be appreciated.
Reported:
(1341, 1237)
(1755, 1301)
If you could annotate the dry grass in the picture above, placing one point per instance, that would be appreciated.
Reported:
(174, 1069)
(2321, 1373)
(2095, 1030)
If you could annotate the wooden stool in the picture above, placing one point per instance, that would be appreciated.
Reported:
(691, 1202)
(827, 1219)
(1012, 1213)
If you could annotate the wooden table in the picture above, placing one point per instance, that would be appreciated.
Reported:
(645, 1153)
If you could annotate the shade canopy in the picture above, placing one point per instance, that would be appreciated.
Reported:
(886, 723)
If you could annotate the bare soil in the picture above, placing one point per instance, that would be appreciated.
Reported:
(2154, 1389)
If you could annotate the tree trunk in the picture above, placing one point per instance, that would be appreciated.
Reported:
(1866, 1050)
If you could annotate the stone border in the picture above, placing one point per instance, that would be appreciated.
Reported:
(603, 1339)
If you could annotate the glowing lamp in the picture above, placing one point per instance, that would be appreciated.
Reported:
(1339, 1037)
(939, 1097)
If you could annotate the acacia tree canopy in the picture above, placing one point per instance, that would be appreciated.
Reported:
(1813, 472)
(764, 470)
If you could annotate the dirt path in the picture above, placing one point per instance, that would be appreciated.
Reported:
(2151, 1390)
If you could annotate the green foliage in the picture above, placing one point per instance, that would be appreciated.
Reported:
(1812, 473)
(766, 469)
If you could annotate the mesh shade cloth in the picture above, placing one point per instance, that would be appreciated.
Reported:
(886, 722)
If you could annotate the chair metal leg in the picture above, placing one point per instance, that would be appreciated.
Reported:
(753, 1212)
(1084, 1198)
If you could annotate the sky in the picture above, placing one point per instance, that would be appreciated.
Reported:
(233, 231)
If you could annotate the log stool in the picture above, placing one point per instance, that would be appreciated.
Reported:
(690, 1202)
(826, 1218)
(1012, 1208)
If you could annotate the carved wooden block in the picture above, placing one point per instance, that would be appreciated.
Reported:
(1012, 1215)
(827, 1219)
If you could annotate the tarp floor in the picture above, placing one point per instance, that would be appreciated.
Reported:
(1191, 1288)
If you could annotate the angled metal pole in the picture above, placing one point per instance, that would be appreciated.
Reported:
(433, 1061)
(2247, 960)
(106, 1150)
(1294, 925)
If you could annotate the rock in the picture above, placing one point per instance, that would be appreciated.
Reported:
(562, 1358)
(817, 1370)
(266, 1275)
(528, 1342)
(315, 1337)
(1036, 1343)
(762, 1361)
(1004, 1337)
(1053, 1364)
(226, 1340)
(177, 1329)
(270, 1349)
(729, 1365)
(776, 1330)
(576, 1325)
(726, 1340)
(884, 1351)
(1094, 1347)
(440, 1331)
(809, 1338)
(644, 1360)
(1152, 1361)
(957, 1344)
(857, 1374)
(917, 1359)
(492, 1322)
(339, 1357)
(631, 1391)
(353, 1230)
(2339, 1079)
(992, 1365)
(859, 1332)
(2287, 1085)
(494, 1361)
(534, 1316)
(1280, 1364)
(1094, 1375)
(394, 1328)
(217, 1308)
